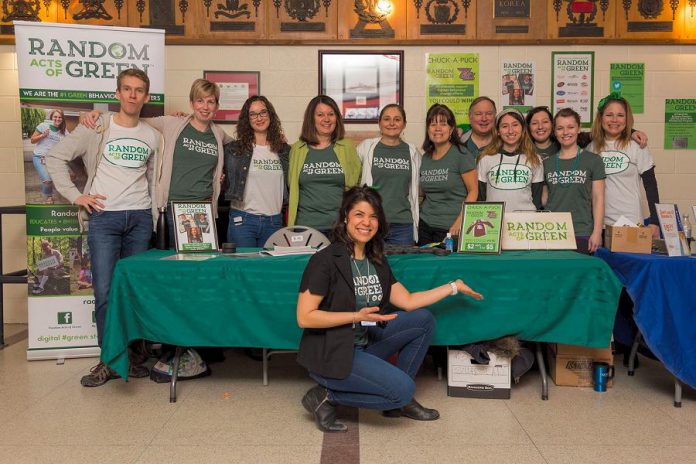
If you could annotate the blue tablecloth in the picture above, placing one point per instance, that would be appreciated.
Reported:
(663, 291)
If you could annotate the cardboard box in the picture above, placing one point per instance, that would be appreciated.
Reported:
(571, 365)
(628, 239)
(468, 380)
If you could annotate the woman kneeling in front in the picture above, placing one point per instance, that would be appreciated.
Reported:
(348, 334)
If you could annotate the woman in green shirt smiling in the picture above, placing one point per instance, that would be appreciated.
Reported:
(448, 177)
(322, 165)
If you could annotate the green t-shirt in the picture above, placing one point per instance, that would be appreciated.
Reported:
(368, 292)
(473, 149)
(322, 183)
(391, 176)
(570, 187)
(195, 159)
(443, 187)
(548, 151)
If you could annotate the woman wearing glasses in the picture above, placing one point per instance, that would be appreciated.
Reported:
(322, 165)
(257, 167)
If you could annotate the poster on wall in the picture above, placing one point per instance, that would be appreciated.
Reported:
(629, 79)
(452, 79)
(680, 124)
(65, 69)
(517, 85)
(572, 83)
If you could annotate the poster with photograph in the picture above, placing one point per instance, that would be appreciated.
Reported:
(572, 83)
(680, 124)
(481, 227)
(452, 79)
(194, 227)
(517, 85)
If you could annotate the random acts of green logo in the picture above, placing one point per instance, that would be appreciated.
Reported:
(65, 318)
(615, 162)
(509, 177)
(127, 153)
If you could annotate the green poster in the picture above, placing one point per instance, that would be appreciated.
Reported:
(680, 124)
(481, 227)
(629, 79)
(452, 79)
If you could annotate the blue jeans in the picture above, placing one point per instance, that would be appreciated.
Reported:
(114, 235)
(400, 234)
(251, 230)
(46, 184)
(374, 383)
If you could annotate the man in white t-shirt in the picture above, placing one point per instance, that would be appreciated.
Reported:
(119, 157)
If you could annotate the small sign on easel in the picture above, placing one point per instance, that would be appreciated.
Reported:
(481, 227)
(672, 231)
(538, 231)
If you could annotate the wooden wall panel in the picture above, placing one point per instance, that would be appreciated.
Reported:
(502, 27)
(441, 19)
(581, 19)
(303, 19)
(362, 21)
(230, 19)
(162, 14)
(98, 12)
(655, 19)
(26, 11)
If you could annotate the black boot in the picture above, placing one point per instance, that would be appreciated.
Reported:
(316, 401)
(413, 410)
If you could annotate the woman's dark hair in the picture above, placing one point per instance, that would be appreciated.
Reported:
(309, 130)
(532, 112)
(435, 112)
(393, 105)
(245, 133)
(374, 249)
(60, 128)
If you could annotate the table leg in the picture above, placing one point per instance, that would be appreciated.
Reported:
(634, 353)
(175, 374)
(677, 393)
(542, 372)
(265, 355)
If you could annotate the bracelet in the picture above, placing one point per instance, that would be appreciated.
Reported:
(453, 284)
(353, 319)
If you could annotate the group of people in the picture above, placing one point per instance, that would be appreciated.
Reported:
(411, 195)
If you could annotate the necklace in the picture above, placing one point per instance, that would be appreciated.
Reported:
(576, 163)
(357, 269)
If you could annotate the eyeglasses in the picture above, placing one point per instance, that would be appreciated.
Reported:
(262, 114)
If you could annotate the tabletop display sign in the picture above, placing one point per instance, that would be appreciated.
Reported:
(194, 227)
(538, 231)
(670, 225)
(481, 227)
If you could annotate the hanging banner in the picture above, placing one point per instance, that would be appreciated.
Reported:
(452, 79)
(572, 83)
(65, 69)
(629, 79)
(517, 85)
(680, 124)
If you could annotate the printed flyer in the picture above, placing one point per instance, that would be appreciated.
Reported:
(572, 78)
(452, 79)
(680, 124)
(629, 79)
(481, 227)
(517, 85)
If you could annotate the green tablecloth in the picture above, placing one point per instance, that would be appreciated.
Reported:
(550, 296)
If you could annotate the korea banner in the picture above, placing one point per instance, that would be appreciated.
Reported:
(66, 69)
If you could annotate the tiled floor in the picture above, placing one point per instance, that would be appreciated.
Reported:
(47, 417)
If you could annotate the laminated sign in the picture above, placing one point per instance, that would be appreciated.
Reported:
(538, 231)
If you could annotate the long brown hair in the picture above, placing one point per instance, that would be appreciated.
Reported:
(309, 130)
(61, 127)
(524, 146)
(245, 133)
(374, 249)
(599, 137)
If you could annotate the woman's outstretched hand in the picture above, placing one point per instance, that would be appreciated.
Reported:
(370, 313)
(466, 290)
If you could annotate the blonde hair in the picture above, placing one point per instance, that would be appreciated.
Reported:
(599, 136)
(204, 88)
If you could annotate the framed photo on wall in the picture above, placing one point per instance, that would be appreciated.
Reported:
(361, 82)
(194, 227)
(235, 88)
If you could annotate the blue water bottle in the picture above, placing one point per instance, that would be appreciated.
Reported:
(449, 242)
(601, 374)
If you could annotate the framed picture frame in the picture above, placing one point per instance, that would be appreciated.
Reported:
(362, 82)
(481, 227)
(235, 88)
(194, 227)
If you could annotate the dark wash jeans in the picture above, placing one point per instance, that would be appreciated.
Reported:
(374, 383)
(400, 234)
(251, 230)
(114, 235)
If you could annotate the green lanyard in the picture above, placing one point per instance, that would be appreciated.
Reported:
(576, 163)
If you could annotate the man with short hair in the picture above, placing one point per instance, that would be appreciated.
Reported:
(119, 157)
(482, 119)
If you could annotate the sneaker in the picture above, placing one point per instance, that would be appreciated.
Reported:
(37, 290)
(138, 371)
(98, 376)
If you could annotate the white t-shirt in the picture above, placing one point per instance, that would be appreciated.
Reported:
(264, 187)
(122, 171)
(622, 192)
(509, 183)
(43, 146)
